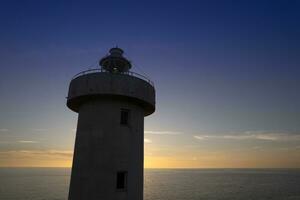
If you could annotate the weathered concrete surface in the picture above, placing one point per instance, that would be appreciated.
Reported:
(110, 85)
(103, 146)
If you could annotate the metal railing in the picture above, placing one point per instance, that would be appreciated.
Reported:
(100, 70)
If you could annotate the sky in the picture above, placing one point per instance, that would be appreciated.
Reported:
(226, 75)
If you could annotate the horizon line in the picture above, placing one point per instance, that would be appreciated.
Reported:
(176, 168)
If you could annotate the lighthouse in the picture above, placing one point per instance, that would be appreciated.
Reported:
(111, 102)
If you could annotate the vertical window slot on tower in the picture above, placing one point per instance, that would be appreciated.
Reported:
(121, 180)
(124, 116)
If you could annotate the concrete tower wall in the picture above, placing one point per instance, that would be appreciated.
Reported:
(103, 147)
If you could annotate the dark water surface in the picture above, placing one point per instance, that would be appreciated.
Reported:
(161, 184)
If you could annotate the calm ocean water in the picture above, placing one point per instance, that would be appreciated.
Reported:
(231, 184)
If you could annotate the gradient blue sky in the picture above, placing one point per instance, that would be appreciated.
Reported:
(226, 76)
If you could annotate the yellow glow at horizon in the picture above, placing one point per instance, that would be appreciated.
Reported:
(198, 160)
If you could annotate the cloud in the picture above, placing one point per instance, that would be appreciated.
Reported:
(257, 148)
(64, 153)
(194, 158)
(3, 130)
(40, 129)
(163, 132)
(19, 141)
(148, 153)
(253, 135)
(266, 137)
(272, 136)
(5, 142)
(37, 153)
(146, 140)
(199, 137)
(27, 141)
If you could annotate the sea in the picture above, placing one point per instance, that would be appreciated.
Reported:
(163, 184)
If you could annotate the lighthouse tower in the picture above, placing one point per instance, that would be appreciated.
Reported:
(111, 103)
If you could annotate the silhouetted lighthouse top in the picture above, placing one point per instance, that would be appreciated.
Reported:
(114, 79)
(115, 62)
(111, 103)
